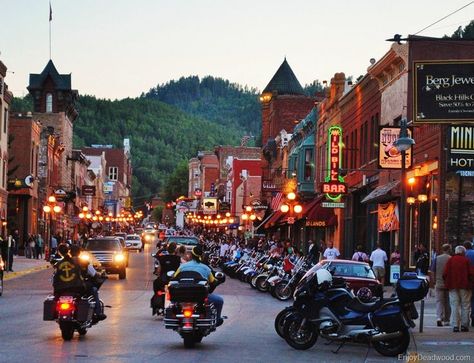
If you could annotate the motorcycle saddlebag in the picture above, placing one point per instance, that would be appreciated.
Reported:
(49, 308)
(389, 319)
(187, 292)
(84, 310)
(411, 288)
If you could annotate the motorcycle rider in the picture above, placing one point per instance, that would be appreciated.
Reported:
(196, 265)
(92, 280)
(67, 276)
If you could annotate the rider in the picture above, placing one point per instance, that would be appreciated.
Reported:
(197, 266)
(67, 276)
(92, 281)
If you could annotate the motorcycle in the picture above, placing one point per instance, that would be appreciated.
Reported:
(189, 313)
(330, 310)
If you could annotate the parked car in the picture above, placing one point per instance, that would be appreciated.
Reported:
(110, 253)
(188, 241)
(357, 274)
(134, 242)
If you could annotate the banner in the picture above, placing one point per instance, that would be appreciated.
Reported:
(461, 148)
(388, 219)
(389, 156)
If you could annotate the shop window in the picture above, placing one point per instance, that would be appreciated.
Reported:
(5, 121)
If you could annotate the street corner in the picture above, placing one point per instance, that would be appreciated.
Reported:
(16, 274)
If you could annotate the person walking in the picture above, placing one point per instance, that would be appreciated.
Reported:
(443, 309)
(360, 255)
(422, 260)
(470, 257)
(378, 257)
(458, 280)
(331, 253)
(54, 245)
(31, 246)
(11, 250)
(39, 246)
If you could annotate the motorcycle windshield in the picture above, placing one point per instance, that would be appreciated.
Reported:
(306, 280)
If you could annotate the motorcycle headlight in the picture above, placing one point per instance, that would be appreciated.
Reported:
(147, 237)
(84, 257)
(119, 258)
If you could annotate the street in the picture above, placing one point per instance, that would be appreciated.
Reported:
(131, 334)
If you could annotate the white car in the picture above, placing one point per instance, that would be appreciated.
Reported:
(133, 242)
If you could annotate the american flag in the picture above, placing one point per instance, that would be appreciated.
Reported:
(276, 201)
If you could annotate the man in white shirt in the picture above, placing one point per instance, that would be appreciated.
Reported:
(331, 253)
(378, 258)
(224, 249)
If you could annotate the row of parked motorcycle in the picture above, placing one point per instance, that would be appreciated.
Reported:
(266, 273)
(325, 307)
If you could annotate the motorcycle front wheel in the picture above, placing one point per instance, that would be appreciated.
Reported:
(395, 346)
(283, 291)
(298, 336)
(261, 283)
(280, 320)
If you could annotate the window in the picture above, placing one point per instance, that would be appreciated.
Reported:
(374, 137)
(113, 173)
(363, 146)
(4, 174)
(5, 121)
(49, 103)
(308, 164)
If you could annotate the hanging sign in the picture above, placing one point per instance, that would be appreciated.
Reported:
(334, 185)
(461, 149)
(389, 156)
(388, 219)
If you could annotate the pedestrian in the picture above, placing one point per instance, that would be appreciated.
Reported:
(11, 248)
(470, 257)
(422, 260)
(16, 242)
(360, 255)
(443, 309)
(39, 246)
(379, 258)
(458, 280)
(331, 253)
(313, 252)
(224, 248)
(4, 249)
(31, 246)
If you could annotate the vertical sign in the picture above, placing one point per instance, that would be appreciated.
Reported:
(334, 185)
(461, 149)
(389, 156)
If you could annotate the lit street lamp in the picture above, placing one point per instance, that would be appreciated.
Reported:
(403, 143)
(293, 207)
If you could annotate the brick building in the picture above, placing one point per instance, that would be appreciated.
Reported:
(24, 149)
(5, 100)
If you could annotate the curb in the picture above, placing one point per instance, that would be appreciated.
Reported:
(14, 275)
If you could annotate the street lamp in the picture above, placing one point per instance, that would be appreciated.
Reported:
(403, 143)
(293, 207)
(49, 209)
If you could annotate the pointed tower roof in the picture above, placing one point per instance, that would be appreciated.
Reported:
(284, 82)
(61, 81)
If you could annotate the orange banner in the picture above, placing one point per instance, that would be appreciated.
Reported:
(388, 219)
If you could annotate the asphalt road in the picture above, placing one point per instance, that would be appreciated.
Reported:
(131, 334)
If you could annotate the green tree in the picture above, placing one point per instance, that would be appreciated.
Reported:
(177, 183)
(466, 33)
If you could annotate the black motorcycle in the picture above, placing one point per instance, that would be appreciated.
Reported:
(189, 312)
(333, 312)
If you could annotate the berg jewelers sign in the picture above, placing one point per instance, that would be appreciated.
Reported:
(334, 185)
(443, 91)
(461, 148)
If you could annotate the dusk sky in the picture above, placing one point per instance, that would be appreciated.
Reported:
(121, 48)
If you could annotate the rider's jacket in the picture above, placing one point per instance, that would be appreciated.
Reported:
(199, 267)
(168, 263)
(67, 276)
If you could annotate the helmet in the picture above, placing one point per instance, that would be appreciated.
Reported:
(324, 278)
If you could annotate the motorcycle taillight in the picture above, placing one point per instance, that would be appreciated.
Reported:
(65, 304)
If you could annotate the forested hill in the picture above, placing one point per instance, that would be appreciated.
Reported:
(213, 99)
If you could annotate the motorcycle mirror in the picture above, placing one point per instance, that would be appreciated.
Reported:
(170, 273)
(153, 255)
(219, 275)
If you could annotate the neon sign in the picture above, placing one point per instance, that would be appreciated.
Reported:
(334, 185)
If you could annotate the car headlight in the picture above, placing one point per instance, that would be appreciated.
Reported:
(128, 244)
(119, 258)
(147, 237)
(84, 257)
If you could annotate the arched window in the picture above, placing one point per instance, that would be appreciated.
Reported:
(49, 103)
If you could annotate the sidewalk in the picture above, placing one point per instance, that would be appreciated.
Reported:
(23, 266)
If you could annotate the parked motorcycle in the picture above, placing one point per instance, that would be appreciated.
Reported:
(325, 307)
(189, 313)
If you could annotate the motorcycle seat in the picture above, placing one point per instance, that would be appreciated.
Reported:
(362, 307)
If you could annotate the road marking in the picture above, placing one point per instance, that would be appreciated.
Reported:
(448, 342)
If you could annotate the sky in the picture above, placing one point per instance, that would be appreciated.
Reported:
(120, 48)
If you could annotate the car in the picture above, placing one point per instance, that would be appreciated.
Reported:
(170, 232)
(109, 252)
(188, 241)
(133, 242)
(150, 225)
(149, 235)
(356, 274)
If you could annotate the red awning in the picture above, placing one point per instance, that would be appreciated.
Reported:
(318, 216)
(274, 219)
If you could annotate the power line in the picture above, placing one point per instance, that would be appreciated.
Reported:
(436, 22)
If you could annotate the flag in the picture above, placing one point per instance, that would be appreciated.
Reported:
(276, 201)
(50, 12)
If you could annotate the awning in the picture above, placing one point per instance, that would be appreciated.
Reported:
(319, 216)
(381, 193)
(274, 219)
